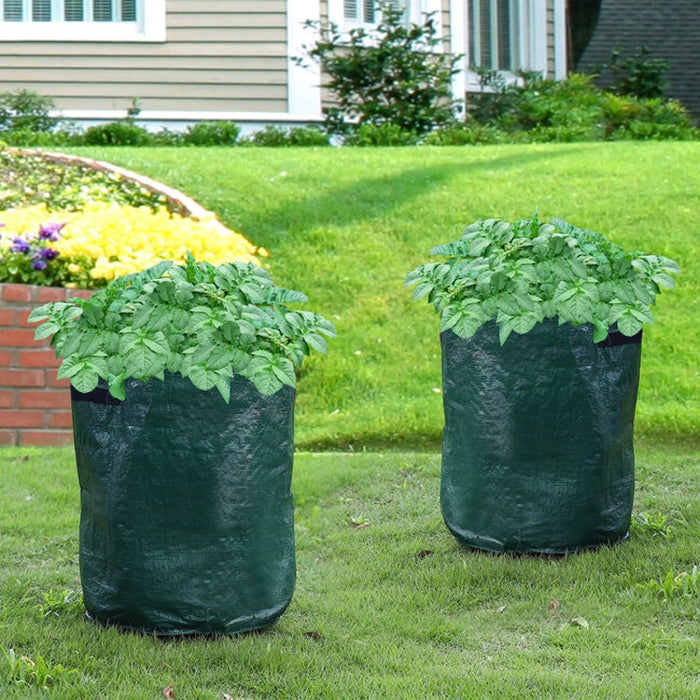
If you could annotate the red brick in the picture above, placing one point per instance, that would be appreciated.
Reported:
(16, 292)
(61, 419)
(21, 419)
(52, 381)
(46, 294)
(7, 399)
(46, 438)
(44, 399)
(38, 358)
(17, 338)
(5, 358)
(82, 293)
(7, 438)
(7, 317)
(21, 319)
(22, 377)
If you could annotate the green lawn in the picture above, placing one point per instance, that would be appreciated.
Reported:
(393, 609)
(396, 608)
(346, 225)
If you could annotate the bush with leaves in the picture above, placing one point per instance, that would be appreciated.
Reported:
(520, 273)
(204, 322)
(535, 109)
(638, 75)
(212, 133)
(397, 73)
(27, 111)
(277, 136)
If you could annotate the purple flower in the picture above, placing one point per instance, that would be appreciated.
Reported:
(51, 232)
(48, 254)
(19, 245)
(39, 265)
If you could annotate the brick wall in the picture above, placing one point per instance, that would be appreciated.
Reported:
(34, 405)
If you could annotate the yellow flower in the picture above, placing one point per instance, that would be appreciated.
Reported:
(124, 239)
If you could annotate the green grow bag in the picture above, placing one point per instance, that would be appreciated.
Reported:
(187, 522)
(537, 446)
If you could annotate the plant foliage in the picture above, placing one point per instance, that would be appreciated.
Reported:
(201, 321)
(25, 110)
(396, 73)
(520, 273)
(639, 75)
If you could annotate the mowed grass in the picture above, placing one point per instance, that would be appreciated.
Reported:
(387, 604)
(346, 225)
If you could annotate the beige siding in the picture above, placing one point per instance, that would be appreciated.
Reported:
(220, 55)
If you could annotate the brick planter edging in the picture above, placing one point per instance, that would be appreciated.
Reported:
(34, 405)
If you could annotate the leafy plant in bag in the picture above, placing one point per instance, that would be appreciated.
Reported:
(521, 273)
(204, 322)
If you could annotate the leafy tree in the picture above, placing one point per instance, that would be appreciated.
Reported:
(397, 73)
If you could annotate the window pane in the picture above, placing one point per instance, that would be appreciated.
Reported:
(505, 54)
(368, 11)
(41, 10)
(74, 10)
(102, 10)
(128, 10)
(350, 9)
(485, 34)
(12, 11)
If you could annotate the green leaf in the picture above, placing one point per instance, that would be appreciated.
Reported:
(317, 342)
(664, 280)
(600, 330)
(423, 289)
(628, 324)
(45, 329)
(82, 374)
(116, 386)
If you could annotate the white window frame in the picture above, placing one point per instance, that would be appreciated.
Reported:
(530, 41)
(415, 11)
(150, 26)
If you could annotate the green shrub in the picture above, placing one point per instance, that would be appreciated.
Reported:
(26, 111)
(307, 136)
(386, 134)
(212, 133)
(638, 75)
(573, 110)
(653, 118)
(395, 74)
(277, 136)
(121, 133)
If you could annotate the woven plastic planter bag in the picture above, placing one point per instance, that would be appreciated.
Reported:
(187, 522)
(538, 440)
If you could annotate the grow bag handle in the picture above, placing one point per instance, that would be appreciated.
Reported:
(99, 395)
(616, 338)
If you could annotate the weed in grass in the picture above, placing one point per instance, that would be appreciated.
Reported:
(23, 671)
(683, 585)
(67, 601)
(654, 524)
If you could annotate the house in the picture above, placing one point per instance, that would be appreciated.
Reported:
(189, 60)
(671, 30)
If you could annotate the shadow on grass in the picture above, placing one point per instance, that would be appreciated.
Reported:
(372, 197)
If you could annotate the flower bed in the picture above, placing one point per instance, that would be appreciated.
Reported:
(74, 250)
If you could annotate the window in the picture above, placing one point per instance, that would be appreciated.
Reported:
(364, 11)
(82, 20)
(494, 34)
